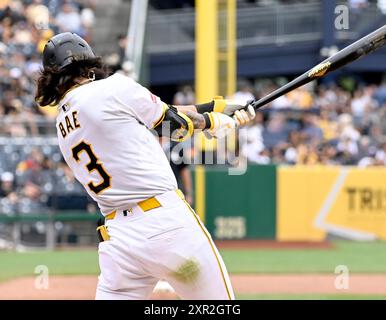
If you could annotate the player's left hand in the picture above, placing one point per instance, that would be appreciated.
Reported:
(242, 117)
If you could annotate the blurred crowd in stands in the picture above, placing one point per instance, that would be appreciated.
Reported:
(322, 125)
(25, 26)
(34, 178)
(30, 177)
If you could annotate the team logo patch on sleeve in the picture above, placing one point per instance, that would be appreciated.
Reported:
(153, 97)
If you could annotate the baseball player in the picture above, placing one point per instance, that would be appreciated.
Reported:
(106, 130)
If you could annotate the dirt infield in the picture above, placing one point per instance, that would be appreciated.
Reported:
(83, 287)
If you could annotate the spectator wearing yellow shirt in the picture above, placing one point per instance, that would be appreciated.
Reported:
(301, 98)
(329, 128)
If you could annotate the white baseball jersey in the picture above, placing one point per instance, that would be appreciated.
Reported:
(103, 130)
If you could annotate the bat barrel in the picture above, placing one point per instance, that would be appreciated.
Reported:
(358, 49)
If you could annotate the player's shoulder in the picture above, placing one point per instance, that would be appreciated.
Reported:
(120, 80)
(117, 85)
(125, 88)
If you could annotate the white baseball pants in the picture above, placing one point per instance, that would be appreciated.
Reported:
(170, 243)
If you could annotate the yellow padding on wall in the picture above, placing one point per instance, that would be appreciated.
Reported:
(313, 201)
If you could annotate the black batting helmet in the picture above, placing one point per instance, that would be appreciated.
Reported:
(64, 48)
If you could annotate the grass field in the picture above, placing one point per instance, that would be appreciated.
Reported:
(358, 257)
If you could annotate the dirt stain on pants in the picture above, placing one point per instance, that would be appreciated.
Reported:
(187, 272)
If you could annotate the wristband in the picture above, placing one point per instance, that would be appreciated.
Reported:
(208, 121)
(218, 104)
(205, 107)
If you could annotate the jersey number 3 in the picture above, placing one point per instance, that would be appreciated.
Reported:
(94, 164)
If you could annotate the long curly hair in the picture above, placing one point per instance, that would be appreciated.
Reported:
(53, 82)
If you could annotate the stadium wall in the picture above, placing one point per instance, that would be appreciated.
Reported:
(298, 203)
(241, 206)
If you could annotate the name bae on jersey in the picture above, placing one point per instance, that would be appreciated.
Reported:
(69, 124)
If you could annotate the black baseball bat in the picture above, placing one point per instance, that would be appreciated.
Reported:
(358, 49)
